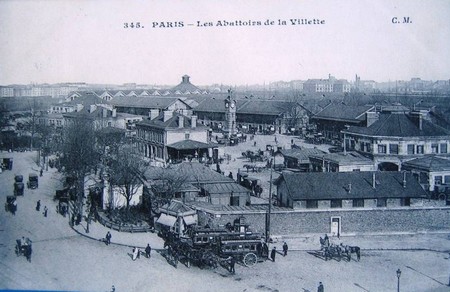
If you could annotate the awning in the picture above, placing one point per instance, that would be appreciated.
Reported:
(189, 220)
(166, 220)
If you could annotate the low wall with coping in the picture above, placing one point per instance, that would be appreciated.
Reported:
(359, 221)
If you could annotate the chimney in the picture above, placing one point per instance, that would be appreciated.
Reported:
(373, 181)
(153, 114)
(114, 113)
(105, 112)
(404, 179)
(194, 121)
(92, 108)
(79, 107)
(180, 122)
(371, 117)
(185, 79)
(167, 115)
(420, 121)
(349, 188)
(417, 117)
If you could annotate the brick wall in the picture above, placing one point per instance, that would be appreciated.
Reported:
(352, 221)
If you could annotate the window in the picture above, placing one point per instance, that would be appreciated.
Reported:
(362, 146)
(336, 203)
(393, 148)
(405, 202)
(447, 179)
(410, 149)
(186, 136)
(444, 148)
(381, 202)
(312, 204)
(420, 149)
(358, 203)
(438, 180)
(434, 148)
(382, 148)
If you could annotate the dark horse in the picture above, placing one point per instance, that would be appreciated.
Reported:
(352, 249)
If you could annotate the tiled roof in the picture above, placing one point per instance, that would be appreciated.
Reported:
(199, 173)
(336, 185)
(302, 155)
(429, 163)
(246, 106)
(191, 144)
(149, 102)
(341, 112)
(350, 158)
(399, 125)
(171, 123)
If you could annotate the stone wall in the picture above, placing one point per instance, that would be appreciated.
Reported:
(352, 221)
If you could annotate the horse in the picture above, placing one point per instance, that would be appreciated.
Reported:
(352, 249)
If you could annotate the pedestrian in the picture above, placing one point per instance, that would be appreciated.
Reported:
(38, 205)
(28, 252)
(273, 253)
(113, 289)
(230, 175)
(148, 250)
(265, 250)
(14, 207)
(45, 211)
(40, 172)
(232, 262)
(285, 249)
(320, 288)
(108, 238)
(135, 253)
(254, 144)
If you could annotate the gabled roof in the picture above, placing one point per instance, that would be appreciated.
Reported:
(185, 86)
(302, 155)
(224, 188)
(199, 173)
(85, 98)
(398, 125)
(345, 113)
(177, 208)
(246, 106)
(350, 185)
(191, 144)
(171, 123)
(349, 158)
(149, 102)
(429, 163)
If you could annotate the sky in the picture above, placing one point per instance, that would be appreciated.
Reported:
(87, 41)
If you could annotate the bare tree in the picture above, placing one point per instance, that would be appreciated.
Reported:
(125, 171)
(79, 155)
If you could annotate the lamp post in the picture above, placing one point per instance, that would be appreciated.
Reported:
(399, 273)
(270, 203)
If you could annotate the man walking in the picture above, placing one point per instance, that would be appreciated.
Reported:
(108, 238)
(38, 205)
(320, 288)
(273, 253)
(232, 263)
(285, 249)
(45, 211)
(148, 250)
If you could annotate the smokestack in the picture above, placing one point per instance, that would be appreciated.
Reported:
(194, 121)
(180, 122)
(153, 114)
(167, 115)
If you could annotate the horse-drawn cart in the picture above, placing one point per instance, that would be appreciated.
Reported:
(11, 204)
(23, 247)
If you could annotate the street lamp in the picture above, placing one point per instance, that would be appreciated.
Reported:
(399, 273)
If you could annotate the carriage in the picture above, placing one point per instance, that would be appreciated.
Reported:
(33, 181)
(337, 251)
(11, 204)
(23, 247)
(208, 247)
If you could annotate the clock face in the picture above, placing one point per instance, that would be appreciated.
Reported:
(226, 104)
(232, 105)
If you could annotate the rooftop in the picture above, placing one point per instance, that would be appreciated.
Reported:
(429, 163)
(345, 113)
(341, 158)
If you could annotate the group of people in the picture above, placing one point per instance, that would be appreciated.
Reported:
(137, 252)
(38, 208)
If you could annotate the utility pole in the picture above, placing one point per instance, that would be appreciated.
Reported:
(270, 203)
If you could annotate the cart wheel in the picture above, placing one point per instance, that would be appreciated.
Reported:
(250, 259)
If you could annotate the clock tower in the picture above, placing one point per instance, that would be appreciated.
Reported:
(230, 115)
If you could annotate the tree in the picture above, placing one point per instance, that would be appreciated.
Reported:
(125, 172)
(167, 182)
(79, 155)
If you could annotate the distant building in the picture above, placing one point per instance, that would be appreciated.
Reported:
(299, 158)
(326, 85)
(432, 172)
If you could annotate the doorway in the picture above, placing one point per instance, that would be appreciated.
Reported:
(336, 226)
